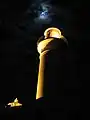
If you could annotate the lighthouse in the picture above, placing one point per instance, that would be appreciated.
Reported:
(52, 51)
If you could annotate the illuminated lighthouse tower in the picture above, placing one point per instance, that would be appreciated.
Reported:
(52, 52)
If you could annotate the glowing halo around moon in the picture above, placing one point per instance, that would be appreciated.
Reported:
(44, 13)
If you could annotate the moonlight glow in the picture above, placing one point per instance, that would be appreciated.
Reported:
(43, 13)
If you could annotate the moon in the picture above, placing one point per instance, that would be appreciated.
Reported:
(43, 15)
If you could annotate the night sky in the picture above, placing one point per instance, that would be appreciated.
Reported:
(21, 25)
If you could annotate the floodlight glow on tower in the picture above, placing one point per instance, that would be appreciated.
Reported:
(52, 32)
(52, 35)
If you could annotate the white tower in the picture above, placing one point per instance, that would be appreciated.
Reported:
(53, 40)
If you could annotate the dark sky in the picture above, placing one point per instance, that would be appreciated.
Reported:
(20, 28)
